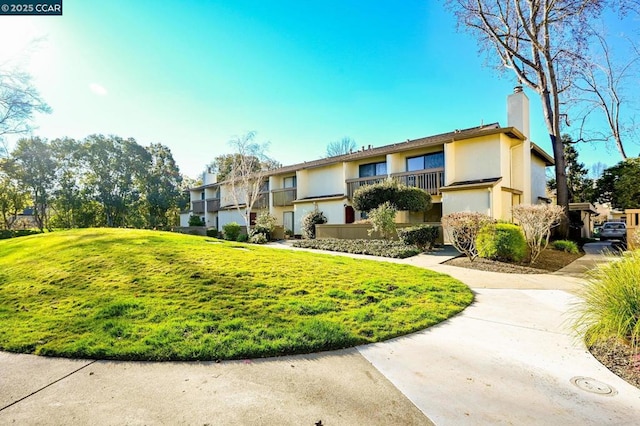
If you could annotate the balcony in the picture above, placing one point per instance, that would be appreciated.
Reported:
(262, 202)
(213, 205)
(197, 207)
(429, 180)
(353, 184)
(284, 197)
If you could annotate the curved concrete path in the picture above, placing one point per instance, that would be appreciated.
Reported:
(510, 358)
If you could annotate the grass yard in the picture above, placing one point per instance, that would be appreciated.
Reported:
(148, 295)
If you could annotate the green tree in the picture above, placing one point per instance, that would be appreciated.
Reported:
(13, 197)
(619, 186)
(162, 187)
(35, 170)
(580, 186)
(18, 101)
(403, 197)
(114, 170)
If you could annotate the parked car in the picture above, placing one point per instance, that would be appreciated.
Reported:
(613, 231)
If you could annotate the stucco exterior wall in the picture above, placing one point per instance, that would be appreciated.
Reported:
(321, 181)
(332, 209)
(538, 179)
(470, 200)
(228, 216)
(517, 179)
(473, 159)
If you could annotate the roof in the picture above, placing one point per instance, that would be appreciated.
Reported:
(408, 145)
(472, 184)
(541, 154)
(456, 135)
(586, 207)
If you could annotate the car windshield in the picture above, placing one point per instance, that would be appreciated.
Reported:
(614, 226)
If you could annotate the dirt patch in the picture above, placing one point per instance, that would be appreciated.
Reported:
(620, 359)
(550, 260)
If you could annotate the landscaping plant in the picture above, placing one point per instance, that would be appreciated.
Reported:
(265, 223)
(610, 306)
(383, 220)
(403, 197)
(383, 248)
(309, 222)
(231, 231)
(501, 241)
(463, 229)
(421, 236)
(536, 222)
(565, 245)
(195, 221)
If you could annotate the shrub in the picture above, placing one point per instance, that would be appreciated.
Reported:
(10, 233)
(258, 239)
(501, 241)
(421, 236)
(309, 222)
(384, 248)
(195, 221)
(369, 197)
(231, 231)
(462, 229)
(565, 245)
(537, 221)
(610, 306)
(383, 220)
(242, 238)
(212, 232)
(265, 224)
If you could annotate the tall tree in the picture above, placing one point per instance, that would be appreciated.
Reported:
(113, 170)
(247, 175)
(599, 87)
(19, 100)
(538, 40)
(618, 185)
(341, 147)
(35, 170)
(13, 197)
(162, 187)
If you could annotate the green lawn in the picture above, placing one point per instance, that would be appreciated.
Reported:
(148, 295)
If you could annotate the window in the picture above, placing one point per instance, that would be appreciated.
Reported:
(427, 161)
(290, 182)
(202, 195)
(373, 169)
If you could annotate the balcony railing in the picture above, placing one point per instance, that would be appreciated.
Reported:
(353, 184)
(430, 180)
(262, 202)
(284, 197)
(213, 205)
(197, 207)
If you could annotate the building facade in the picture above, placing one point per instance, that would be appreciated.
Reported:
(486, 169)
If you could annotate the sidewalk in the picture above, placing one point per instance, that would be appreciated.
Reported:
(509, 358)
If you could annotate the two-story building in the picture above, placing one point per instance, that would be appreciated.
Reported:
(486, 169)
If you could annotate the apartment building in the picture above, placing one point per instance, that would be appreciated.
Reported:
(486, 169)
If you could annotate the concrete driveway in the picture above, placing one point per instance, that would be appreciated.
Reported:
(510, 358)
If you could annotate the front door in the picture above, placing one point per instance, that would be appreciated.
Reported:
(287, 221)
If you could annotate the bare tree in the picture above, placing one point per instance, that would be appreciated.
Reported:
(341, 147)
(538, 40)
(599, 87)
(18, 101)
(247, 174)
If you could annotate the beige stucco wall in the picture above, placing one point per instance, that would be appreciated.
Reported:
(538, 179)
(517, 178)
(332, 209)
(228, 216)
(473, 159)
(471, 200)
(321, 181)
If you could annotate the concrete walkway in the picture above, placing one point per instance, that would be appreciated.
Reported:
(510, 358)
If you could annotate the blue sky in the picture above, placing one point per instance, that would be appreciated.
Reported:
(192, 74)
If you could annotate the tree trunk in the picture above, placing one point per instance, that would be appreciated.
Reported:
(562, 189)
